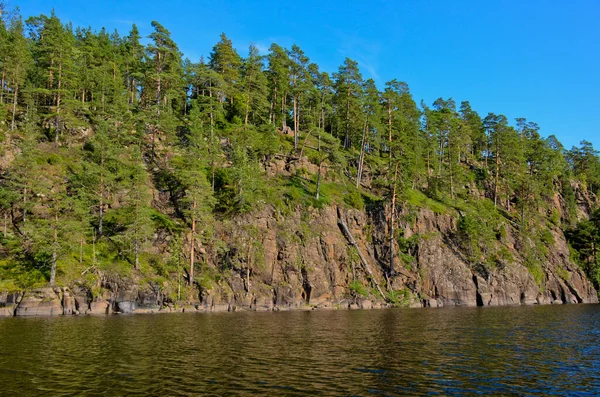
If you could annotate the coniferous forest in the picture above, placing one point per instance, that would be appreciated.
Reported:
(122, 159)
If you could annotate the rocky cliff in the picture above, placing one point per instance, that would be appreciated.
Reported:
(303, 260)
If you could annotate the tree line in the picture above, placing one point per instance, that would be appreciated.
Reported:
(118, 154)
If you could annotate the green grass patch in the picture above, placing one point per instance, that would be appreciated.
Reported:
(420, 200)
(399, 298)
(357, 289)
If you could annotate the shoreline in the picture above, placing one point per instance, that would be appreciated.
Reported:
(50, 308)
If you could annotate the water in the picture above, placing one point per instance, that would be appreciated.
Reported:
(548, 350)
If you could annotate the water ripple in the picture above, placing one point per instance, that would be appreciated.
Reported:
(533, 351)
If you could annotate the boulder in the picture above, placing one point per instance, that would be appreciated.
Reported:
(126, 307)
(68, 303)
(8, 303)
(40, 302)
(221, 307)
(99, 307)
(366, 304)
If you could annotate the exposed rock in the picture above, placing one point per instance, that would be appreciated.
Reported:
(366, 304)
(68, 302)
(7, 311)
(40, 302)
(8, 303)
(312, 266)
(444, 276)
(100, 307)
(220, 308)
(306, 262)
(126, 307)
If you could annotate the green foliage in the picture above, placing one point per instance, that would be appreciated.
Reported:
(563, 274)
(420, 200)
(555, 217)
(354, 199)
(586, 165)
(399, 298)
(407, 248)
(121, 154)
(534, 265)
(571, 203)
(583, 242)
(546, 237)
(478, 231)
(357, 289)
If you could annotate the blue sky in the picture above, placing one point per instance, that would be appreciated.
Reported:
(538, 59)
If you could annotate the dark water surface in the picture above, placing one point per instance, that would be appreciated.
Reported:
(547, 350)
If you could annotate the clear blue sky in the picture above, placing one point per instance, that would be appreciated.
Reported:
(538, 59)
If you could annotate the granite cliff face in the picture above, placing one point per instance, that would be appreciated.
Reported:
(304, 261)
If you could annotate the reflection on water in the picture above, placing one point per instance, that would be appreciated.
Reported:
(519, 350)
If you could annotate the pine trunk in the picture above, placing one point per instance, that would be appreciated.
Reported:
(319, 172)
(362, 155)
(94, 249)
(192, 243)
(428, 168)
(283, 120)
(14, 107)
(441, 157)
(295, 124)
(392, 215)
(272, 107)
(54, 250)
(347, 138)
(323, 114)
(2, 84)
(390, 125)
(496, 179)
(136, 247)
(158, 82)
(58, 101)
(101, 207)
(247, 111)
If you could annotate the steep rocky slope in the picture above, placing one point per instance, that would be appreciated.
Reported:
(304, 260)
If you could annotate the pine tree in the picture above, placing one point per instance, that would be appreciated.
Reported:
(402, 121)
(198, 193)
(17, 63)
(138, 210)
(585, 164)
(506, 151)
(225, 60)
(474, 125)
(206, 83)
(299, 84)
(400, 117)
(278, 75)
(348, 87)
(254, 86)
(134, 66)
(163, 89)
(372, 117)
(4, 54)
(100, 173)
(323, 96)
(444, 127)
(57, 78)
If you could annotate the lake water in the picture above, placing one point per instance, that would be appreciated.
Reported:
(533, 350)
